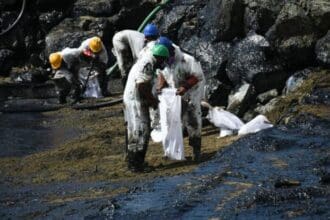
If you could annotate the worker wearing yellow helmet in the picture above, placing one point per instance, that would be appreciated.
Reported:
(93, 50)
(64, 66)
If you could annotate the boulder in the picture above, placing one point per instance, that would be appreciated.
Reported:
(296, 80)
(293, 36)
(266, 96)
(260, 15)
(239, 100)
(223, 20)
(100, 8)
(6, 61)
(264, 109)
(213, 58)
(248, 63)
(319, 11)
(50, 19)
(72, 31)
(49, 5)
(322, 50)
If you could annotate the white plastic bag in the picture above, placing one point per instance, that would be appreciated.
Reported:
(226, 121)
(171, 127)
(259, 123)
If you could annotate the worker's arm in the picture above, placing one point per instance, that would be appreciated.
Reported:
(161, 83)
(188, 84)
(146, 94)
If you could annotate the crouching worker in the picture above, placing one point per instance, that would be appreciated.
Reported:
(184, 72)
(138, 98)
(65, 75)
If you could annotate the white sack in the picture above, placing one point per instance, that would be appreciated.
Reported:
(171, 127)
(259, 123)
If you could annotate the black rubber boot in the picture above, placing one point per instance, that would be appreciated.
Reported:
(196, 143)
(135, 161)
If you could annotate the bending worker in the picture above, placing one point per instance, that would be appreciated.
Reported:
(128, 44)
(66, 65)
(185, 73)
(138, 98)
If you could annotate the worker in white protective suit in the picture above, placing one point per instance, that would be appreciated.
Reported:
(184, 72)
(128, 46)
(93, 51)
(66, 65)
(137, 99)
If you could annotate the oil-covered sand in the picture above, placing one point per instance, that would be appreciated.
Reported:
(281, 172)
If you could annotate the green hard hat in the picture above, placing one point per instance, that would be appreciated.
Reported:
(160, 50)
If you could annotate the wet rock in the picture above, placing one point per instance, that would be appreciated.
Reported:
(213, 58)
(318, 96)
(223, 20)
(171, 21)
(325, 178)
(319, 11)
(322, 50)
(285, 183)
(101, 8)
(263, 109)
(266, 96)
(238, 101)
(296, 80)
(294, 36)
(72, 31)
(263, 142)
(48, 5)
(309, 124)
(6, 61)
(35, 75)
(260, 15)
(266, 196)
(49, 19)
(248, 62)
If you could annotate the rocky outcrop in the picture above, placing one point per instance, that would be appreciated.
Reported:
(260, 15)
(72, 31)
(101, 8)
(223, 20)
(294, 36)
(6, 61)
(248, 63)
(322, 50)
(319, 11)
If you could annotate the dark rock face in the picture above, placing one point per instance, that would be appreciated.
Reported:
(72, 31)
(293, 33)
(260, 15)
(102, 8)
(322, 50)
(48, 20)
(223, 20)
(319, 11)
(6, 61)
(248, 62)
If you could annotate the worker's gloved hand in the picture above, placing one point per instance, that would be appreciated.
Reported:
(181, 91)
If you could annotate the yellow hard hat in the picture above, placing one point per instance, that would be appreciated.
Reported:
(95, 44)
(55, 60)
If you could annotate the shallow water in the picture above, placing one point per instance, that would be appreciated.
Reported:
(26, 133)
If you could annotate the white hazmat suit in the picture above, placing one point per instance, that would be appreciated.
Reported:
(176, 75)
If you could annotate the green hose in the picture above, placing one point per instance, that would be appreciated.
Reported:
(112, 69)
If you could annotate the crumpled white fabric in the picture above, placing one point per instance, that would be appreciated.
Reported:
(171, 127)
(224, 120)
(259, 123)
